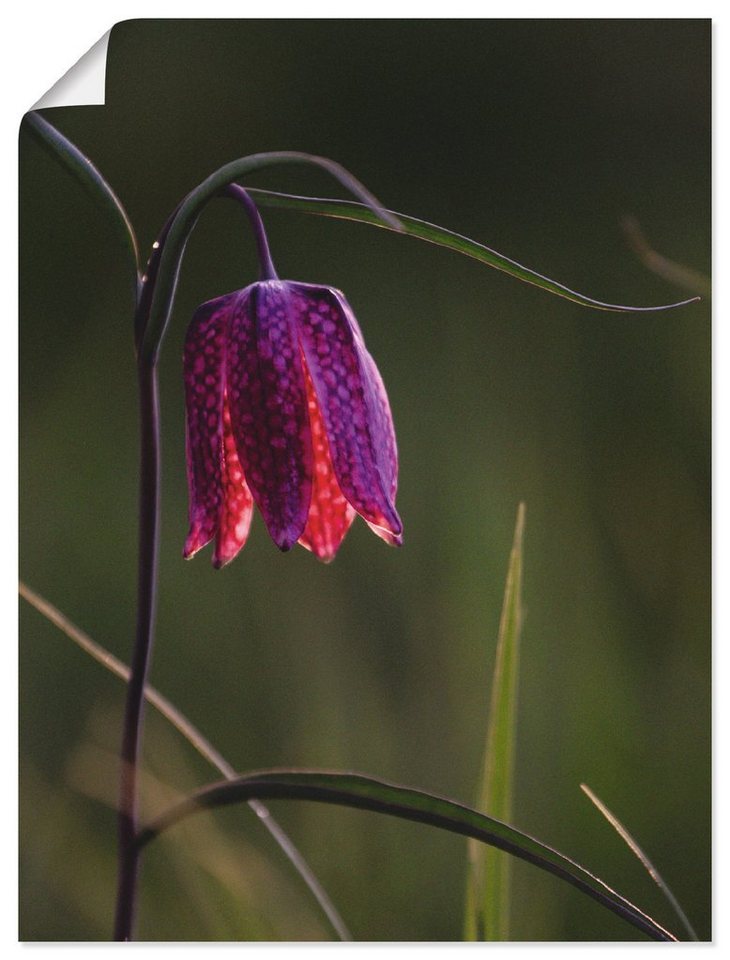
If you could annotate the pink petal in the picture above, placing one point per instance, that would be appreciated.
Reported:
(353, 403)
(203, 361)
(268, 403)
(330, 515)
(237, 507)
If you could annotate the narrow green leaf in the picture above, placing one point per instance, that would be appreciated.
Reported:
(91, 179)
(366, 793)
(430, 232)
(642, 857)
(489, 870)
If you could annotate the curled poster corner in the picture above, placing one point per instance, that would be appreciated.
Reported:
(82, 85)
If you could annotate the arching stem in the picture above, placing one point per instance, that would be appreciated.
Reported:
(267, 268)
(149, 526)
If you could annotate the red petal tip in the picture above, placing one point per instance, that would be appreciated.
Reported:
(326, 556)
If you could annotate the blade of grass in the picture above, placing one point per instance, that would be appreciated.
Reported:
(367, 793)
(489, 870)
(431, 233)
(639, 853)
(204, 747)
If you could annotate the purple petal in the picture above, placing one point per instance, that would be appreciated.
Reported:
(353, 403)
(203, 361)
(268, 404)
(385, 433)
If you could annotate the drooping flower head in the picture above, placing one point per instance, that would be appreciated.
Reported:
(285, 409)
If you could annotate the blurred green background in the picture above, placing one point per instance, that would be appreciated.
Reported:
(534, 137)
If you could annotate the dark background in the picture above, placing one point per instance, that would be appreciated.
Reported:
(534, 137)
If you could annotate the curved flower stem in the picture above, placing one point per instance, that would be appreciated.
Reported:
(149, 279)
(149, 526)
(268, 270)
(149, 523)
(146, 292)
(186, 216)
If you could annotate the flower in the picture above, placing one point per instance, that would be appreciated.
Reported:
(285, 408)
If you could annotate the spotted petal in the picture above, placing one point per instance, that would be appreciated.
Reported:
(385, 434)
(237, 506)
(268, 403)
(353, 404)
(203, 360)
(330, 515)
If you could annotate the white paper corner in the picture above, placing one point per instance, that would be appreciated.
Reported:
(84, 84)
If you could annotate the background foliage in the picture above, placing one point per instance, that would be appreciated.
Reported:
(534, 137)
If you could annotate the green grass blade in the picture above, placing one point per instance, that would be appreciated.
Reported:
(431, 233)
(91, 179)
(645, 861)
(366, 793)
(204, 747)
(489, 870)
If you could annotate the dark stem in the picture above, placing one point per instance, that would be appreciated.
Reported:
(149, 280)
(268, 270)
(149, 519)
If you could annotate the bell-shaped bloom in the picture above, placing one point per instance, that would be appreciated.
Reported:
(285, 408)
